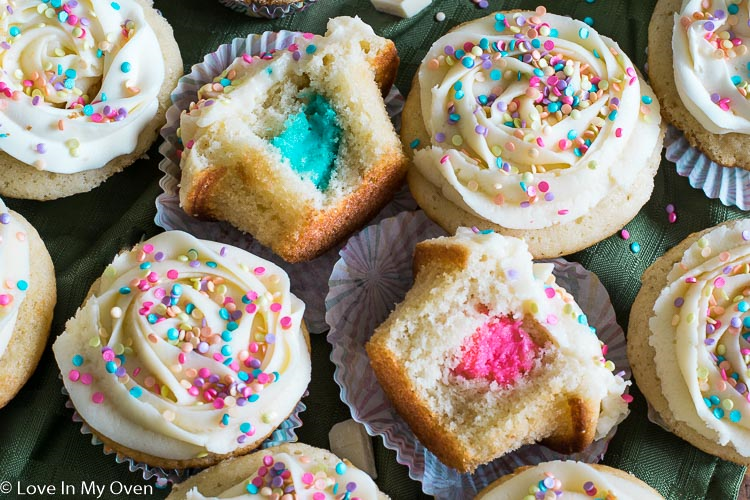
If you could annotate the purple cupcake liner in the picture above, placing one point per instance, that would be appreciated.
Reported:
(285, 433)
(305, 277)
(372, 276)
(267, 11)
(727, 184)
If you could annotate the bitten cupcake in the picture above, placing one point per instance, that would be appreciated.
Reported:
(535, 126)
(289, 471)
(186, 352)
(27, 301)
(568, 479)
(295, 146)
(688, 340)
(698, 65)
(487, 353)
(83, 92)
(270, 9)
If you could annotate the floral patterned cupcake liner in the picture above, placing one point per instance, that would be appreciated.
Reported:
(727, 184)
(305, 277)
(285, 433)
(251, 9)
(373, 274)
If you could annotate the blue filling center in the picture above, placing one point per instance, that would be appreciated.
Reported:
(310, 141)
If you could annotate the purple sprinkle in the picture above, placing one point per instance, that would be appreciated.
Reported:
(710, 329)
(213, 378)
(5, 45)
(223, 251)
(195, 263)
(270, 338)
(440, 137)
(480, 129)
(107, 110)
(502, 106)
(35, 100)
(198, 382)
(715, 98)
(120, 372)
(208, 103)
(10, 9)
(289, 489)
(719, 14)
(520, 21)
(41, 148)
(73, 4)
(203, 347)
(708, 26)
(167, 301)
(255, 363)
(241, 439)
(483, 4)
(679, 301)
(746, 235)
(159, 256)
(736, 322)
(512, 274)
(740, 387)
(487, 64)
(279, 466)
(278, 481)
(237, 314)
(709, 341)
(351, 486)
(525, 204)
(449, 50)
(241, 401)
(727, 269)
(84, 21)
(296, 55)
(549, 196)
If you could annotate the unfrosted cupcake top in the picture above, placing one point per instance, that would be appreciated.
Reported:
(533, 118)
(80, 81)
(186, 347)
(14, 273)
(711, 63)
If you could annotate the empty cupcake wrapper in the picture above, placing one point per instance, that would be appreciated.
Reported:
(374, 274)
(305, 277)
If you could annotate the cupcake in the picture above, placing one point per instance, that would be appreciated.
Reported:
(688, 340)
(270, 9)
(292, 470)
(295, 147)
(90, 103)
(483, 328)
(186, 352)
(698, 67)
(560, 479)
(535, 126)
(27, 301)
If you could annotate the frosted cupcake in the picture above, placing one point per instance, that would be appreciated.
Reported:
(535, 126)
(270, 9)
(186, 352)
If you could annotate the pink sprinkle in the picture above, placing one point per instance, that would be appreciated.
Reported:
(723, 374)
(251, 295)
(308, 36)
(268, 461)
(204, 373)
(86, 379)
(97, 398)
(444, 159)
(108, 355)
(152, 277)
(551, 319)
(190, 144)
(625, 234)
(193, 391)
(181, 358)
(263, 378)
(4, 299)
(275, 307)
(218, 357)
(247, 58)
(627, 398)
(293, 47)
(308, 478)
(540, 141)
(549, 292)
(160, 293)
(690, 279)
(719, 282)
(543, 186)
(259, 270)
(286, 322)
(251, 308)
(74, 375)
(97, 117)
(148, 248)
(219, 403)
(172, 274)
(618, 132)
(564, 144)
(672, 217)
(564, 211)
(549, 45)
(724, 104)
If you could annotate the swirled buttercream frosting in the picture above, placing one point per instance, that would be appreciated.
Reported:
(532, 118)
(14, 273)
(701, 336)
(186, 348)
(79, 81)
(711, 63)
(570, 481)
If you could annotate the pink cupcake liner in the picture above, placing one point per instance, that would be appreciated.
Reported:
(285, 433)
(269, 12)
(372, 276)
(306, 277)
(724, 183)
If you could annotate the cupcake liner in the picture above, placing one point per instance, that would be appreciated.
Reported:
(728, 184)
(306, 277)
(285, 433)
(374, 274)
(268, 11)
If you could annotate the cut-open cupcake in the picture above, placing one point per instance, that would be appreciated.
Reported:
(487, 353)
(296, 147)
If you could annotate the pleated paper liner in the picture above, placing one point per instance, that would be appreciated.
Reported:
(728, 184)
(307, 278)
(285, 433)
(252, 9)
(373, 274)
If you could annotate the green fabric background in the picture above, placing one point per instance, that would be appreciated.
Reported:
(40, 445)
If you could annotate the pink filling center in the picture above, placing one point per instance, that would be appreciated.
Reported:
(500, 350)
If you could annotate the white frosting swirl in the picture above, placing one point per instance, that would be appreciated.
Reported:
(700, 334)
(711, 63)
(307, 479)
(186, 347)
(570, 481)
(14, 273)
(79, 81)
(533, 119)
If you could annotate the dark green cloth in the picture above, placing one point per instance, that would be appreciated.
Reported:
(39, 445)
